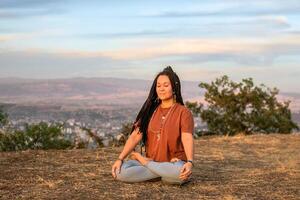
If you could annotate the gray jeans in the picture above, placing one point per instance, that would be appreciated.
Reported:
(133, 171)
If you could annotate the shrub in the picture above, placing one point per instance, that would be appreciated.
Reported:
(242, 107)
(35, 136)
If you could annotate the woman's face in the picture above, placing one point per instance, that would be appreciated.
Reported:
(164, 88)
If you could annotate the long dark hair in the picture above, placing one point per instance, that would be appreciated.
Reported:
(152, 102)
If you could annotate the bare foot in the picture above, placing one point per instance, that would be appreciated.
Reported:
(174, 160)
(137, 156)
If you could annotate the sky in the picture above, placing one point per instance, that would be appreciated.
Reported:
(201, 40)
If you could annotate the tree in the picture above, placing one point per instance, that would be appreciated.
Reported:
(94, 136)
(242, 107)
(3, 118)
(126, 129)
(35, 136)
(124, 134)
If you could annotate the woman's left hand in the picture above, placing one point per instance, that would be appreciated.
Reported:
(186, 171)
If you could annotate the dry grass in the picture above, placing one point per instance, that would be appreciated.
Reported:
(240, 167)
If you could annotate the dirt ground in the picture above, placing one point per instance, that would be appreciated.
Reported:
(239, 167)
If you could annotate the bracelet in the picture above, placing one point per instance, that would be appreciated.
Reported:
(191, 162)
(120, 159)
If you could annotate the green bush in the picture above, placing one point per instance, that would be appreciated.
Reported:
(242, 108)
(3, 118)
(35, 136)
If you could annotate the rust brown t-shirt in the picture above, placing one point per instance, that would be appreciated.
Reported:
(166, 144)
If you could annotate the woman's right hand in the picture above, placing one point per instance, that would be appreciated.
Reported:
(116, 168)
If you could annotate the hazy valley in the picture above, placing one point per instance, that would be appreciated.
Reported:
(97, 102)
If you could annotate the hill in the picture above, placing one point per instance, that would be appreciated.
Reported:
(239, 167)
(90, 92)
(74, 90)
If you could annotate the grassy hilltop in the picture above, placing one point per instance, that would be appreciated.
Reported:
(239, 167)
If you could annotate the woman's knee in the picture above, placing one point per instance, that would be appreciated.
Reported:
(122, 175)
(119, 177)
(173, 173)
(126, 177)
(129, 172)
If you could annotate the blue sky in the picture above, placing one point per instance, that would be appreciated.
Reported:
(202, 40)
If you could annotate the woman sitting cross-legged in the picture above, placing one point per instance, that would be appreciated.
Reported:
(165, 126)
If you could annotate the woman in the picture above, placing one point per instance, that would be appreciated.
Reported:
(165, 126)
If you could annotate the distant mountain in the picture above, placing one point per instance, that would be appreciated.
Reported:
(97, 90)
(88, 92)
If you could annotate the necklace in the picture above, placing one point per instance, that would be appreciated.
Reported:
(163, 119)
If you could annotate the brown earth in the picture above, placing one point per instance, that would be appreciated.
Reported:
(239, 167)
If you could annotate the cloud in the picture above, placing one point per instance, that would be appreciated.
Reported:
(10, 4)
(265, 22)
(6, 30)
(246, 51)
(293, 32)
(15, 9)
(4, 38)
(250, 26)
(41, 64)
(37, 63)
(204, 73)
(126, 34)
(235, 8)
(18, 14)
(259, 26)
(16, 36)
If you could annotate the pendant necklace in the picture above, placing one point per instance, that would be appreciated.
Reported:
(162, 122)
